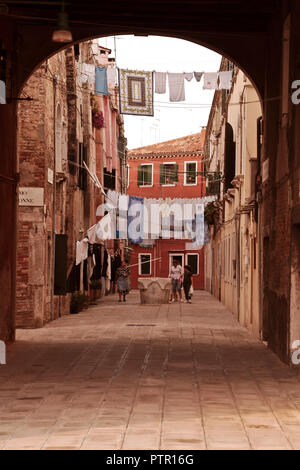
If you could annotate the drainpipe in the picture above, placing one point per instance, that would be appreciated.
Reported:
(238, 218)
(258, 220)
(55, 79)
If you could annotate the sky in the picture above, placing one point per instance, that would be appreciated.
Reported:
(154, 53)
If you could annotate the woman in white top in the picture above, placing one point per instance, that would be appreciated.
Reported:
(176, 275)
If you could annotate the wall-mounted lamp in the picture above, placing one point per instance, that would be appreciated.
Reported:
(62, 32)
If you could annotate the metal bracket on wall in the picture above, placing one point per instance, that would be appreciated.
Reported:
(8, 180)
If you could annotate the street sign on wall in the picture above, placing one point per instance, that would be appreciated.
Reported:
(31, 196)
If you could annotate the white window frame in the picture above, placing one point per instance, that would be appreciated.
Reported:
(185, 173)
(169, 163)
(147, 185)
(193, 254)
(170, 260)
(140, 256)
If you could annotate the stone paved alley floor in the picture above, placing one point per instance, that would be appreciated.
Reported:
(125, 376)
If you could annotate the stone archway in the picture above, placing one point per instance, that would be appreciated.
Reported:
(249, 34)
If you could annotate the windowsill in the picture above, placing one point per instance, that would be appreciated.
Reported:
(190, 184)
(168, 185)
(145, 186)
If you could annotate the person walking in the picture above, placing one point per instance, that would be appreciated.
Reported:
(176, 275)
(187, 283)
(123, 273)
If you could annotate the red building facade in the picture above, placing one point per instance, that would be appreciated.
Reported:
(167, 170)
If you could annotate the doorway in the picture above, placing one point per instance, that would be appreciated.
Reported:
(176, 257)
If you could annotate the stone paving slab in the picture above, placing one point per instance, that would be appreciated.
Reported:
(130, 376)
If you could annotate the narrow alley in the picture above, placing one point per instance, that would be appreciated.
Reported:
(174, 376)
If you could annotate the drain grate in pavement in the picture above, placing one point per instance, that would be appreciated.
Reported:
(139, 324)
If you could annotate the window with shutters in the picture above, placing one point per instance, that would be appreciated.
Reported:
(168, 174)
(145, 174)
(190, 173)
(109, 179)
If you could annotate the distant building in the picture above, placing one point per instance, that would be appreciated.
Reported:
(167, 170)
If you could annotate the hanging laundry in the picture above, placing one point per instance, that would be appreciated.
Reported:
(111, 77)
(85, 275)
(114, 145)
(152, 219)
(176, 210)
(176, 87)
(106, 227)
(88, 73)
(188, 219)
(111, 200)
(147, 217)
(97, 262)
(104, 271)
(73, 281)
(198, 76)
(210, 81)
(160, 82)
(188, 76)
(101, 87)
(108, 272)
(82, 250)
(122, 220)
(136, 92)
(105, 263)
(107, 133)
(91, 234)
(225, 80)
(95, 48)
(164, 208)
(100, 210)
(198, 239)
(135, 219)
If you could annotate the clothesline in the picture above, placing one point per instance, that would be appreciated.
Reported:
(143, 262)
(162, 104)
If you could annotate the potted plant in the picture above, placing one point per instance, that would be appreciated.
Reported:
(78, 300)
(209, 213)
(97, 118)
(95, 284)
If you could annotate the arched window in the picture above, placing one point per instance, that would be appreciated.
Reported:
(229, 156)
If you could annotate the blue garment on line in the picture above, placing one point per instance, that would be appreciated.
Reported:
(135, 219)
(101, 87)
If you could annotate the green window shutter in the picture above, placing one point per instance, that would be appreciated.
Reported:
(176, 173)
(148, 174)
(162, 174)
(140, 175)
